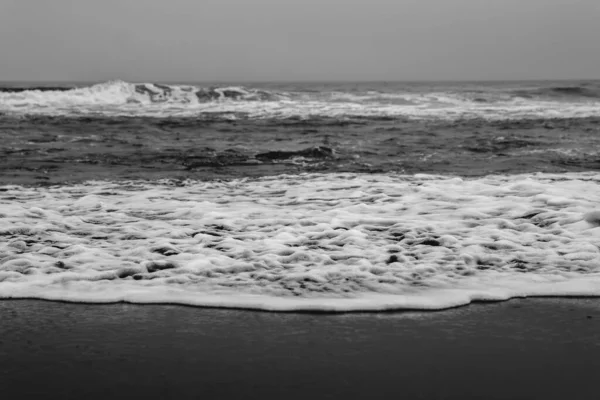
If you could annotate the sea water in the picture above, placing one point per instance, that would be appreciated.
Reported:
(313, 197)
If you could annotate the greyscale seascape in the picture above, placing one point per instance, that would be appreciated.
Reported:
(299, 200)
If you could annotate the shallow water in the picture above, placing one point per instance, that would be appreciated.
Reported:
(331, 242)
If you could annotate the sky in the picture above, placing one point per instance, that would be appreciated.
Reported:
(295, 40)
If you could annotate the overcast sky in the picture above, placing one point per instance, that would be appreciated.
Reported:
(204, 40)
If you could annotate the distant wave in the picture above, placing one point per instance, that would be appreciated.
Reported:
(583, 91)
(119, 92)
(119, 98)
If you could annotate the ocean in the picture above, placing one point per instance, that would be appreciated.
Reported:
(321, 197)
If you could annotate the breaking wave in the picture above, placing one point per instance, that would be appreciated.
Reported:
(119, 98)
(119, 93)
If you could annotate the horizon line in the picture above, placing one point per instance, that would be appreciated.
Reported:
(175, 81)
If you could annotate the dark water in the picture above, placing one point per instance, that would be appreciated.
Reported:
(45, 150)
(59, 132)
(533, 349)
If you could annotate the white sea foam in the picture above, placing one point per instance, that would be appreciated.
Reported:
(311, 242)
(125, 99)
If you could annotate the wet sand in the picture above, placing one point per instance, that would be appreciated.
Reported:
(520, 349)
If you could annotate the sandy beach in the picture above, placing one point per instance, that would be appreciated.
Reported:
(520, 349)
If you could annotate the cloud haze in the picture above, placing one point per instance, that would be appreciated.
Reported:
(190, 40)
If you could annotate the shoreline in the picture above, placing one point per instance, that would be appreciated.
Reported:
(314, 312)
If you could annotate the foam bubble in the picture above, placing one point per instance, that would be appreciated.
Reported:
(338, 242)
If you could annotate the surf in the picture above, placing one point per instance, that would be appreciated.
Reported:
(334, 242)
(303, 101)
